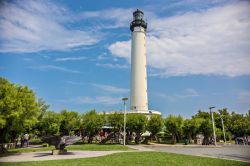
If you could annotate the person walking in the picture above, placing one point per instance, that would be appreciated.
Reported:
(26, 139)
(22, 141)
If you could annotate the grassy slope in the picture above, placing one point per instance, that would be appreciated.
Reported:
(136, 158)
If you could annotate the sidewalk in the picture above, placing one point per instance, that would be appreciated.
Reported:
(142, 148)
(183, 146)
(46, 155)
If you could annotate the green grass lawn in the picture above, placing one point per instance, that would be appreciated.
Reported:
(90, 147)
(136, 158)
(98, 147)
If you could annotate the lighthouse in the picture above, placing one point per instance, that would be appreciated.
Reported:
(138, 85)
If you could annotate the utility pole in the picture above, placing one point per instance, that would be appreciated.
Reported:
(222, 122)
(124, 124)
(210, 108)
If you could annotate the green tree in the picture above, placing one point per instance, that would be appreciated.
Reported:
(206, 129)
(191, 128)
(50, 123)
(219, 134)
(174, 125)
(136, 123)
(155, 125)
(92, 123)
(18, 110)
(240, 125)
(116, 121)
(42, 108)
(247, 119)
(202, 114)
(70, 123)
(223, 113)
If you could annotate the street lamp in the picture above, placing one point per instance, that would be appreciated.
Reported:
(124, 127)
(223, 129)
(210, 108)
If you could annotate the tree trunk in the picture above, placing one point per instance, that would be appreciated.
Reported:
(205, 141)
(145, 140)
(2, 149)
(190, 138)
(157, 139)
(90, 139)
(137, 138)
(173, 139)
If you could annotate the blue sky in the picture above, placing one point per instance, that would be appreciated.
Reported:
(76, 54)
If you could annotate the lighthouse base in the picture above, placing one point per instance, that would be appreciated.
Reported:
(148, 113)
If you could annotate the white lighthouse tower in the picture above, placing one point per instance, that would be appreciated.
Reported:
(138, 90)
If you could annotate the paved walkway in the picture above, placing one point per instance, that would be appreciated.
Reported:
(184, 146)
(46, 155)
(231, 152)
(40, 156)
(142, 148)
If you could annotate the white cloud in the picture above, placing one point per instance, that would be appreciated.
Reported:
(75, 83)
(111, 89)
(55, 68)
(110, 65)
(106, 100)
(186, 93)
(46, 57)
(70, 59)
(33, 26)
(215, 41)
(27, 59)
(109, 18)
(102, 56)
(121, 49)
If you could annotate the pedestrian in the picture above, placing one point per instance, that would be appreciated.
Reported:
(22, 141)
(26, 139)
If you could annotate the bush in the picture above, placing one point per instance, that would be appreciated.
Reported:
(45, 145)
(35, 141)
(228, 136)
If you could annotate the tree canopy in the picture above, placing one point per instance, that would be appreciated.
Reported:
(136, 123)
(71, 122)
(21, 111)
(50, 123)
(92, 123)
(174, 125)
(116, 120)
(18, 110)
(155, 124)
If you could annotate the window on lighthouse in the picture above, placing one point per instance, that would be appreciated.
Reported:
(138, 16)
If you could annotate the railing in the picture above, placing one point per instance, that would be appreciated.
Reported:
(8, 145)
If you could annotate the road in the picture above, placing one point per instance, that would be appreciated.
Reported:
(232, 152)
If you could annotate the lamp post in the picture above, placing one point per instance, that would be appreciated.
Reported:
(223, 129)
(210, 108)
(124, 127)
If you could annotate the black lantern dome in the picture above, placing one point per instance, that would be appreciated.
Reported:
(138, 20)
